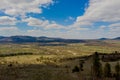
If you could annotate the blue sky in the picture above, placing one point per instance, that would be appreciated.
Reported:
(79, 19)
(62, 10)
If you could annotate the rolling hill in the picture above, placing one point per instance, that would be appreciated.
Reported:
(43, 39)
(22, 39)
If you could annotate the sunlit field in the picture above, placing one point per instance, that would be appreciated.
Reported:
(30, 61)
(70, 49)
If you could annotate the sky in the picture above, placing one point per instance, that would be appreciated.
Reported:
(74, 19)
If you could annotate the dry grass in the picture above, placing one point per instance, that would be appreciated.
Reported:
(48, 62)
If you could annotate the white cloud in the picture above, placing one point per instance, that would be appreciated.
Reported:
(21, 7)
(54, 26)
(50, 33)
(8, 31)
(100, 11)
(103, 11)
(115, 25)
(81, 33)
(36, 22)
(102, 27)
(8, 28)
(45, 24)
(71, 34)
(5, 20)
(13, 30)
(115, 28)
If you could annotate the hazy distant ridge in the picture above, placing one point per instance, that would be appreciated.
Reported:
(18, 39)
(43, 39)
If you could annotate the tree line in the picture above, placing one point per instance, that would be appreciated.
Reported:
(100, 71)
(105, 71)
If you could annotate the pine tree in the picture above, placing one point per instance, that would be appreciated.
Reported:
(117, 71)
(107, 70)
(97, 66)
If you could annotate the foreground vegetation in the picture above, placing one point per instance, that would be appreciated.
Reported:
(31, 61)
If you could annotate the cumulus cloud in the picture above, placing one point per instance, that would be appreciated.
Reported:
(6, 20)
(36, 22)
(100, 11)
(42, 23)
(115, 27)
(21, 7)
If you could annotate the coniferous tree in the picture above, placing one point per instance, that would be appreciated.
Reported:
(81, 66)
(117, 71)
(97, 66)
(81, 62)
(107, 70)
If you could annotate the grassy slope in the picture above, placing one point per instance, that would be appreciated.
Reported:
(45, 64)
(72, 49)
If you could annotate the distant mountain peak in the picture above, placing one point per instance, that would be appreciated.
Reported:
(117, 38)
(103, 39)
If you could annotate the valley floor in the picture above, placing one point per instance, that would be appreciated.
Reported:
(35, 62)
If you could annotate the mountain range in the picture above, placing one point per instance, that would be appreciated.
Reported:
(43, 39)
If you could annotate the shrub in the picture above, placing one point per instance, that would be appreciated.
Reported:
(75, 69)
